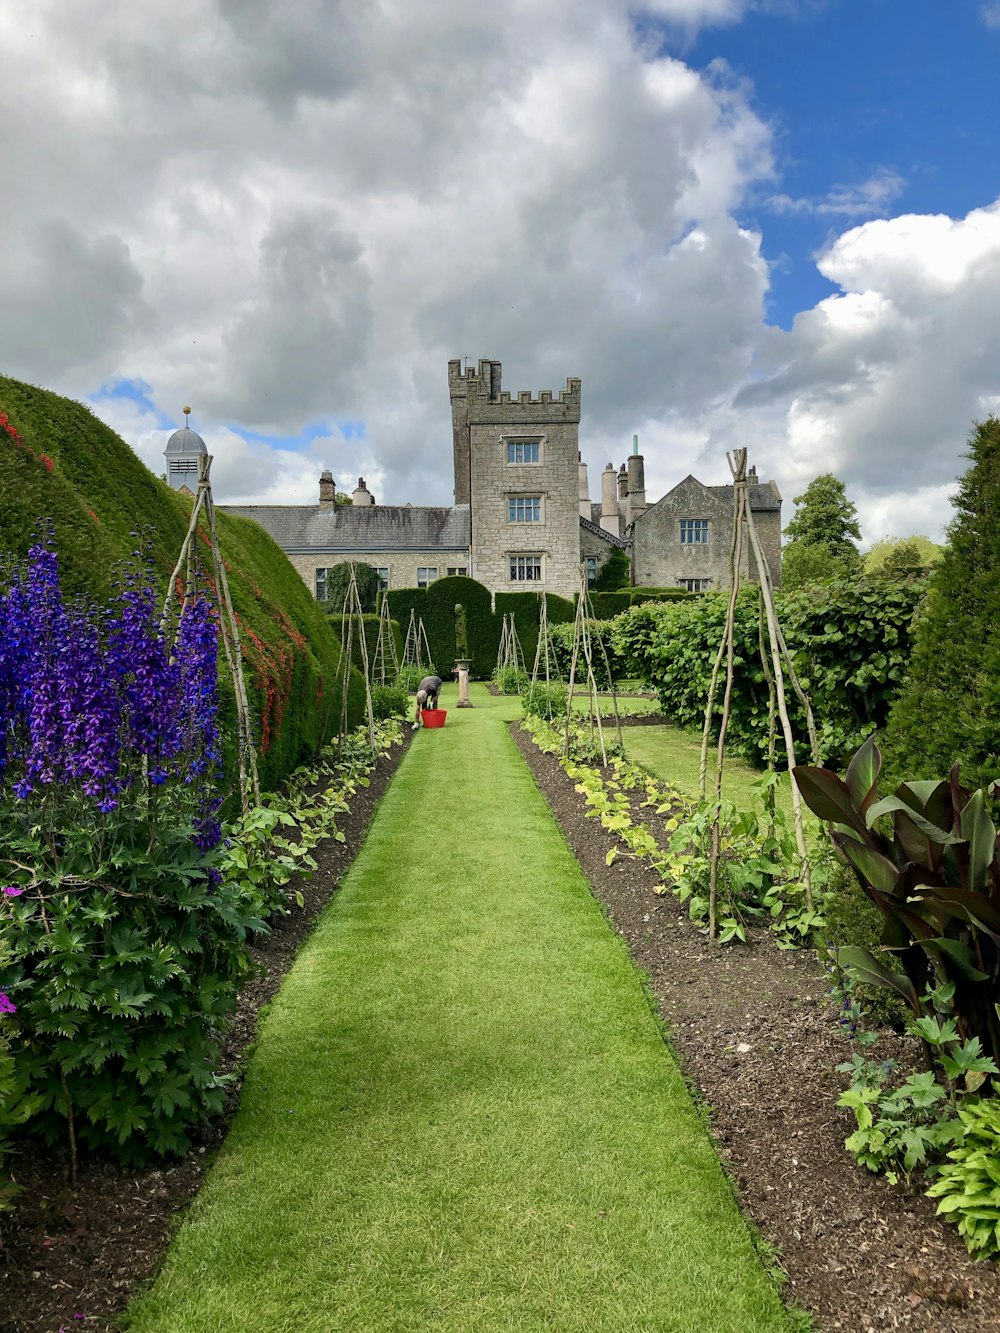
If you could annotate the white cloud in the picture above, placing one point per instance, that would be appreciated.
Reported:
(294, 215)
(990, 12)
(871, 197)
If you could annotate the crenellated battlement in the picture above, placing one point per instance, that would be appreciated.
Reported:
(480, 385)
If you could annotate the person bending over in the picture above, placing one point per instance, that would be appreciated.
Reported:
(427, 696)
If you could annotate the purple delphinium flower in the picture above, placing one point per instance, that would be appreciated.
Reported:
(7, 1006)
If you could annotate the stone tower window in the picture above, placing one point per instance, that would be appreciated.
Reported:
(524, 509)
(524, 451)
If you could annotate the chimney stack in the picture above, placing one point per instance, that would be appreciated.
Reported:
(362, 495)
(584, 489)
(636, 488)
(610, 517)
(327, 490)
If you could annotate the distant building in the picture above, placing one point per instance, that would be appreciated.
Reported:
(522, 516)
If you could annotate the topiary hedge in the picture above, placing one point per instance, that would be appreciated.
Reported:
(58, 462)
(436, 606)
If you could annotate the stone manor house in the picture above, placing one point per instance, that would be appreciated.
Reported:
(522, 515)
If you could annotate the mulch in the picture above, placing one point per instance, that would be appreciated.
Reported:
(74, 1258)
(757, 1037)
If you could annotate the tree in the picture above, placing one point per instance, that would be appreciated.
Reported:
(616, 572)
(950, 706)
(826, 517)
(903, 557)
(338, 579)
(804, 562)
(341, 498)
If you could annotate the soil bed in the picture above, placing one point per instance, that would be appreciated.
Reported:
(757, 1036)
(74, 1258)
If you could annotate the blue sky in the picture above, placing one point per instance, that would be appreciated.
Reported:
(858, 91)
(764, 222)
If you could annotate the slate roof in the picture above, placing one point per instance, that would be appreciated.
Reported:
(763, 497)
(603, 533)
(301, 529)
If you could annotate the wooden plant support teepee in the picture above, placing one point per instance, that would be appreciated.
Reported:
(775, 660)
(385, 663)
(352, 624)
(584, 639)
(510, 653)
(546, 662)
(416, 650)
(205, 505)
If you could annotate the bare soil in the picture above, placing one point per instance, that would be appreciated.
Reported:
(73, 1258)
(758, 1038)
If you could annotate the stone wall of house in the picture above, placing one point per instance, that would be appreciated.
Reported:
(492, 418)
(661, 560)
(402, 566)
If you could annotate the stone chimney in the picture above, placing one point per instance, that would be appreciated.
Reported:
(362, 495)
(622, 488)
(327, 490)
(584, 489)
(610, 517)
(636, 488)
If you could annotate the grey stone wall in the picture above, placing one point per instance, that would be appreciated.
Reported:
(661, 560)
(494, 417)
(402, 566)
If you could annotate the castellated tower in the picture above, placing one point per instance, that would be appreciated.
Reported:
(516, 466)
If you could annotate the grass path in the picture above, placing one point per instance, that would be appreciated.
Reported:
(460, 1115)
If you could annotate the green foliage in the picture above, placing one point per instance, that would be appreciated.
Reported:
(804, 564)
(338, 581)
(96, 492)
(850, 643)
(824, 516)
(510, 679)
(605, 658)
(935, 880)
(950, 707)
(389, 701)
(410, 677)
(898, 1129)
(615, 573)
(902, 557)
(370, 624)
(545, 701)
(123, 977)
(968, 1184)
(643, 595)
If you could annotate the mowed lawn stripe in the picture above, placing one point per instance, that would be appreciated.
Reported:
(460, 1114)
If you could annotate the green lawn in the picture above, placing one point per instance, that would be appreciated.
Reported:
(675, 755)
(460, 1115)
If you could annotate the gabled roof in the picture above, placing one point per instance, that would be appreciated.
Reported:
(346, 528)
(609, 537)
(764, 496)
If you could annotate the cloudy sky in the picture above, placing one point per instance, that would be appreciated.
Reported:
(764, 222)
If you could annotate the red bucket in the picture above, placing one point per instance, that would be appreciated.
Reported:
(434, 717)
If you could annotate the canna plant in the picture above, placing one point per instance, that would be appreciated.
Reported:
(935, 878)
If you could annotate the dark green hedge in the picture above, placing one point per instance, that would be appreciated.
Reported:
(371, 624)
(436, 605)
(607, 605)
(76, 472)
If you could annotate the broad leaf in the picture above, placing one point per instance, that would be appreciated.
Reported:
(864, 967)
(958, 954)
(890, 804)
(978, 830)
(878, 870)
(862, 774)
(829, 798)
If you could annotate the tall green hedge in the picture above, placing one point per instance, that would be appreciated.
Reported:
(607, 605)
(850, 642)
(950, 708)
(436, 606)
(71, 469)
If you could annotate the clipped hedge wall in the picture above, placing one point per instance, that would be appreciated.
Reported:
(68, 467)
(850, 642)
(607, 605)
(371, 624)
(484, 626)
